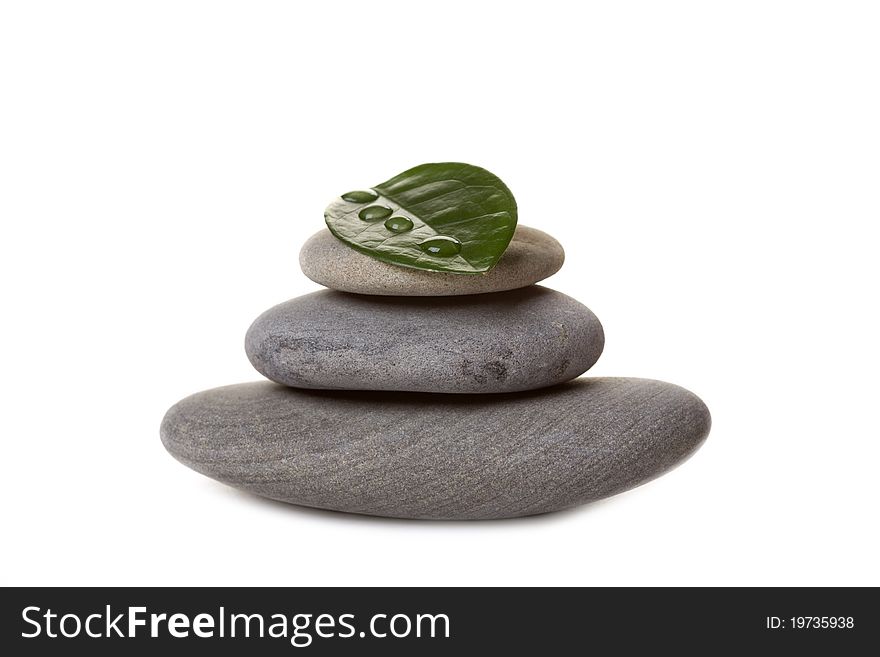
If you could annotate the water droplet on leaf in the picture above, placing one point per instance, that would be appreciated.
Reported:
(399, 224)
(442, 246)
(360, 196)
(375, 213)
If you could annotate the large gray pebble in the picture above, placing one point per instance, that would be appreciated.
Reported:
(531, 256)
(502, 342)
(438, 456)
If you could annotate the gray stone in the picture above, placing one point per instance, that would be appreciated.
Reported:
(531, 256)
(501, 342)
(438, 456)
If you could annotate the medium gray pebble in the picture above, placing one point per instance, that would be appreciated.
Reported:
(501, 342)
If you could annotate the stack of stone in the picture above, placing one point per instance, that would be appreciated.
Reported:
(419, 394)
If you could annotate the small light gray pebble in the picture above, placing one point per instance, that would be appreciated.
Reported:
(438, 456)
(501, 342)
(531, 256)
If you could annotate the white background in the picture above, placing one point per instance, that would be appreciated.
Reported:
(711, 168)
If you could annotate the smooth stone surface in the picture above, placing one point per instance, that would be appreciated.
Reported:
(502, 342)
(438, 456)
(531, 256)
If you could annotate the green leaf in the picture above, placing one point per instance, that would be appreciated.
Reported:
(448, 216)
